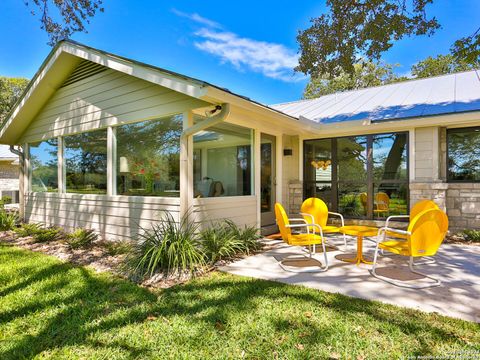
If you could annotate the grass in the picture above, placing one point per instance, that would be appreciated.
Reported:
(49, 309)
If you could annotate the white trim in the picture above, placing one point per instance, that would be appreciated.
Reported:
(279, 169)
(257, 169)
(411, 153)
(61, 166)
(27, 171)
(186, 166)
(300, 158)
(111, 161)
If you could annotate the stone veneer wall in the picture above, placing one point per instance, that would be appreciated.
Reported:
(9, 180)
(295, 197)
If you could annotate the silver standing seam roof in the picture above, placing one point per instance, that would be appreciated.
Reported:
(446, 94)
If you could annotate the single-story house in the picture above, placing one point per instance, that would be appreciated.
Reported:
(9, 175)
(107, 143)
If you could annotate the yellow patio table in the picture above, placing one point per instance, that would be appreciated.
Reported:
(359, 231)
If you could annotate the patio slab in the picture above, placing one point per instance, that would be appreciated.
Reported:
(458, 266)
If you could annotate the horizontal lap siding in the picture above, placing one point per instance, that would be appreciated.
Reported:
(105, 99)
(113, 217)
(242, 210)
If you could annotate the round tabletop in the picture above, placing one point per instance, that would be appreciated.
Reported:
(356, 230)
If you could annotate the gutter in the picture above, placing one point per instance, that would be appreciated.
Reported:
(218, 118)
(19, 153)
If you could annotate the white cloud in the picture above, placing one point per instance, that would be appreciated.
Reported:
(198, 19)
(273, 60)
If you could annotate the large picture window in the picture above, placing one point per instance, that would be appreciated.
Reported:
(463, 148)
(85, 158)
(361, 176)
(148, 158)
(223, 161)
(44, 166)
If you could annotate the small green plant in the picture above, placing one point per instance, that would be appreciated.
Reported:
(48, 234)
(169, 246)
(28, 229)
(248, 236)
(114, 248)
(472, 235)
(81, 238)
(6, 199)
(218, 242)
(8, 220)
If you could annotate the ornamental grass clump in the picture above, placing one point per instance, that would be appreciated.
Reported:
(28, 229)
(44, 235)
(249, 236)
(8, 220)
(472, 235)
(169, 247)
(81, 238)
(218, 242)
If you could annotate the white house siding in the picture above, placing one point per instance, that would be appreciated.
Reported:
(426, 154)
(113, 217)
(242, 210)
(290, 168)
(105, 99)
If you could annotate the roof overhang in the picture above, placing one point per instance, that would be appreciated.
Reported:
(66, 55)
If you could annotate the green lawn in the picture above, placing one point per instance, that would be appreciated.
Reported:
(49, 309)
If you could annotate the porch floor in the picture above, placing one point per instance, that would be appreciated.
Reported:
(458, 267)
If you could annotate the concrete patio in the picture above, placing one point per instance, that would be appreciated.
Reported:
(458, 266)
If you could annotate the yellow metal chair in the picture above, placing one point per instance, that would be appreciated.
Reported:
(416, 209)
(382, 204)
(424, 236)
(308, 239)
(315, 211)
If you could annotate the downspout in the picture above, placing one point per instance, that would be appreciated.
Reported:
(21, 186)
(202, 125)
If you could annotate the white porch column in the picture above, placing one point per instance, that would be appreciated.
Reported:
(61, 166)
(257, 173)
(186, 167)
(279, 169)
(300, 158)
(111, 161)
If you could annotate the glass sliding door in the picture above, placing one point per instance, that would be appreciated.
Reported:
(267, 179)
(361, 176)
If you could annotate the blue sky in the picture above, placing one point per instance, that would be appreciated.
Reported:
(246, 46)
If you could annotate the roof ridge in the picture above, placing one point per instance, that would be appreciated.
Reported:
(384, 85)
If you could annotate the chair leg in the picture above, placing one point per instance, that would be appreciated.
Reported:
(321, 269)
(435, 282)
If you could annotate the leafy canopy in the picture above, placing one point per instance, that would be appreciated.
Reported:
(440, 65)
(61, 18)
(10, 91)
(365, 74)
(354, 29)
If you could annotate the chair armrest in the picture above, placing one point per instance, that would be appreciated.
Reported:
(385, 229)
(298, 220)
(339, 215)
(395, 216)
(310, 216)
(307, 226)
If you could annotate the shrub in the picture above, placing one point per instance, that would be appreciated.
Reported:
(6, 199)
(48, 234)
(248, 236)
(81, 238)
(8, 220)
(117, 247)
(28, 230)
(168, 246)
(472, 235)
(218, 242)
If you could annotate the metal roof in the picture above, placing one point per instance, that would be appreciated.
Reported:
(6, 154)
(446, 94)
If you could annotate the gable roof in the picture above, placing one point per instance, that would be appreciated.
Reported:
(7, 155)
(67, 55)
(447, 94)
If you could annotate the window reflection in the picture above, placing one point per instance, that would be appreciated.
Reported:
(44, 166)
(463, 154)
(86, 162)
(223, 161)
(148, 158)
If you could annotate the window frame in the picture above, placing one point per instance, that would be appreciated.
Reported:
(447, 157)
(370, 181)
